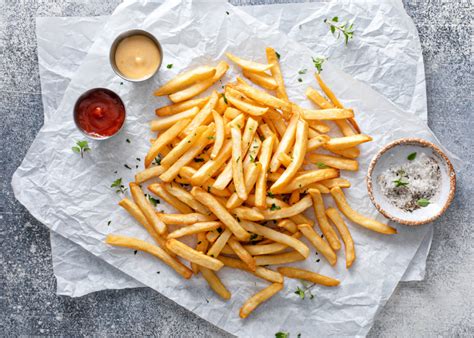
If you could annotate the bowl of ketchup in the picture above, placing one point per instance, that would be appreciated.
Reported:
(99, 113)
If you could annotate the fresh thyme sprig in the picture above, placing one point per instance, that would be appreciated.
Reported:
(120, 188)
(318, 63)
(81, 147)
(345, 28)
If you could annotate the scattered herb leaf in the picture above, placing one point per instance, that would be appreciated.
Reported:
(400, 183)
(135, 252)
(318, 63)
(169, 65)
(127, 166)
(157, 160)
(274, 207)
(108, 223)
(423, 202)
(119, 186)
(210, 137)
(321, 165)
(345, 28)
(270, 194)
(153, 200)
(225, 98)
(300, 292)
(277, 54)
(252, 159)
(303, 71)
(226, 12)
(282, 334)
(412, 156)
(81, 147)
(300, 79)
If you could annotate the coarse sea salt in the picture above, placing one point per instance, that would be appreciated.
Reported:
(405, 185)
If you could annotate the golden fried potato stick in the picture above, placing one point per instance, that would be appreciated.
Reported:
(219, 244)
(250, 177)
(318, 127)
(336, 182)
(238, 102)
(327, 114)
(211, 167)
(286, 212)
(204, 114)
(261, 183)
(318, 99)
(322, 189)
(188, 172)
(221, 212)
(261, 79)
(320, 244)
(185, 219)
(186, 79)
(231, 113)
(147, 208)
(148, 174)
(248, 65)
(237, 167)
(345, 142)
(183, 146)
(333, 161)
(193, 256)
(267, 274)
(201, 246)
(182, 106)
(200, 86)
(336, 218)
(299, 152)
(310, 276)
(267, 249)
(137, 244)
(185, 196)
(263, 97)
(351, 153)
(168, 121)
(164, 139)
(159, 190)
(253, 302)
(305, 178)
(283, 258)
(326, 228)
(294, 197)
(288, 225)
(220, 134)
(276, 236)
(249, 214)
(215, 283)
(273, 58)
(285, 143)
(243, 254)
(194, 229)
(355, 217)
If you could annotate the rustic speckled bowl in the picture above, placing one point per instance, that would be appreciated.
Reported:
(396, 153)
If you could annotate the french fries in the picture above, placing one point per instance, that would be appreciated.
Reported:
(239, 166)
(253, 302)
(355, 217)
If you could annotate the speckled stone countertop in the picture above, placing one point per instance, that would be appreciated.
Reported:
(442, 304)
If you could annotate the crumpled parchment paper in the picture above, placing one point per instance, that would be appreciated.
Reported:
(77, 271)
(72, 195)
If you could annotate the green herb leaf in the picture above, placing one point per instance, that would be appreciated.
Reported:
(81, 147)
(169, 66)
(116, 183)
(303, 71)
(423, 202)
(282, 334)
(76, 149)
(318, 63)
(252, 159)
(270, 194)
(153, 200)
(412, 156)
(300, 292)
(225, 98)
(198, 159)
(345, 28)
(300, 79)
(157, 160)
(321, 165)
(274, 207)
(253, 237)
(400, 183)
(210, 137)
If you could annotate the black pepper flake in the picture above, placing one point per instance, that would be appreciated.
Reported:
(108, 223)
(219, 230)
(138, 159)
(135, 252)
(318, 260)
(128, 140)
(158, 272)
(136, 166)
(127, 166)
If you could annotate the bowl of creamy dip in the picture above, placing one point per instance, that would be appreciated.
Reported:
(411, 181)
(136, 55)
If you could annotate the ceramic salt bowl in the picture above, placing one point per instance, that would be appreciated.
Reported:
(396, 153)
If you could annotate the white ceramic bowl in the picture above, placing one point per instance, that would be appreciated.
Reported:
(392, 155)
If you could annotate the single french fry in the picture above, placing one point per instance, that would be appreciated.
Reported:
(262, 97)
(188, 156)
(306, 178)
(285, 143)
(318, 126)
(231, 113)
(317, 141)
(201, 246)
(204, 114)
(185, 219)
(149, 173)
(260, 271)
(283, 258)
(326, 228)
(336, 182)
(336, 218)
(215, 283)
(261, 79)
(182, 106)
(159, 190)
(345, 142)
(355, 217)
(211, 167)
(318, 99)
(200, 86)
(219, 244)
(267, 249)
(327, 114)
(192, 255)
(185, 197)
(294, 197)
(221, 213)
(351, 153)
(168, 121)
(333, 161)
(221, 104)
(309, 276)
(276, 236)
(163, 140)
(320, 244)
(288, 225)
(242, 253)
(287, 212)
(213, 235)
(137, 244)
(147, 208)
(322, 189)
(186, 79)
(274, 203)
(237, 168)
(261, 183)
(194, 229)
(250, 177)
(272, 58)
(249, 214)
(253, 302)
(182, 147)
(299, 152)
(244, 106)
(188, 173)
(248, 65)
(220, 134)
(345, 127)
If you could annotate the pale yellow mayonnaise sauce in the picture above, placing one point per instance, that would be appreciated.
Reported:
(137, 57)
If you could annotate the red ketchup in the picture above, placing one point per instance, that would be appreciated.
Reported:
(99, 113)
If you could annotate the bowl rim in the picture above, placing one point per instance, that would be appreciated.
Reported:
(419, 142)
(76, 105)
(124, 35)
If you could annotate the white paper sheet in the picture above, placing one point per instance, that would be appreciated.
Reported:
(73, 195)
(78, 274)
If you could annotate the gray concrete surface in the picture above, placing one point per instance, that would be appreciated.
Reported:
(442, 305)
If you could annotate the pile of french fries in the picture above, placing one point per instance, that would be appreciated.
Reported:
(241, 167)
